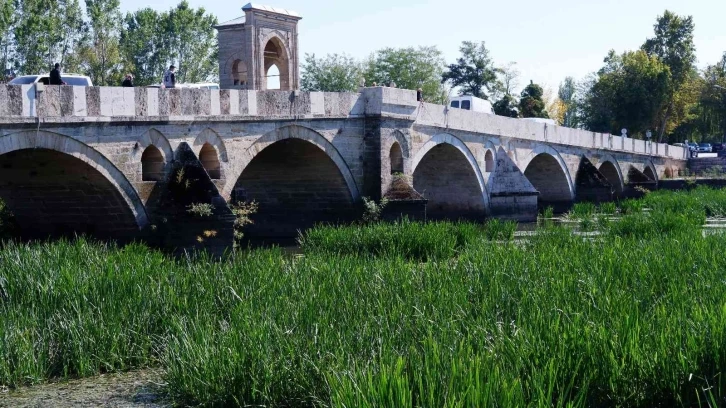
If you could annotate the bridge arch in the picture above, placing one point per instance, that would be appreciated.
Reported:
(212, 138)
(548, 173)
(650, 171)
(153, 137)
(446, 172)
(56, 184)
(610, 169)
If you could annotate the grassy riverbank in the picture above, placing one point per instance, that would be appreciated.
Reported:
(393, 315)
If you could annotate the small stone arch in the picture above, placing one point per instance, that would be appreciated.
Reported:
(209, 136)
(210, 161)
(41, 139)
(539, 150)
(650, 171)
(292, 132)
(239, 73)
(489, 161)
(610, 168)
(153, 137)
(152, 164)
(396, 158)
(445, 138)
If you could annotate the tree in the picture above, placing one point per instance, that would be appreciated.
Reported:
(568, 95)
(531, 104)
(409, 68)
(673, 45)
(192, 43)
(334, 73)
(474, 72)
(142, 47)
(628, 92)
(507, 81)
(7, 25)
(99, 54)
(506, 106)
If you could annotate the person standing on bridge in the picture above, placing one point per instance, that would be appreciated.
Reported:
(55, 76)
(170, 77)
(128, 82)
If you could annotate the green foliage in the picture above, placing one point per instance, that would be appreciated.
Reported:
(582, 210)
(7, 221)
(506, 106)
(568, 95)
(242, 212)
(608, 208)
(190, 39)
(143, 47)
(498, 230)
(531, 104)
(202, 210)
(474, 72)
(409, 68)
(99, 53)
(334, 73)
(372, 210)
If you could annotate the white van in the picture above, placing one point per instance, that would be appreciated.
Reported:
(542, 120)
(471, 103)
(203, 85)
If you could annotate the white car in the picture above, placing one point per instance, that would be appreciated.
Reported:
(69, 79)
(471, 103)
(203, 85)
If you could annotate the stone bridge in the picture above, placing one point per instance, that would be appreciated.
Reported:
(114, 162)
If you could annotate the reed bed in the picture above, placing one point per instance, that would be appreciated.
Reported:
(407, 314)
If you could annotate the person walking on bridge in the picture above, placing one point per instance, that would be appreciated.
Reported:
(170, 77)
(55, 76)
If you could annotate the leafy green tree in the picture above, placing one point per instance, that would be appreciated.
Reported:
(507, 81)
(531, 104)
(7, 25)
(334, 73)
(192, 43)
(628, 92)
(99, 53)
(409, 68)
(506, 106)
(568, 95)
(142, 46)
(474, 72)
(673, 45)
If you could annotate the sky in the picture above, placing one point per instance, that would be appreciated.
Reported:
(549, 40)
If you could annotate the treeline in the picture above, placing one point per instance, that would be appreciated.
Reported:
(657, 87)
(94, 38)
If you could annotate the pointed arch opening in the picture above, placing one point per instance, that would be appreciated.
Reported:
(648, 171)
(610, 172)
(489, 162)
(297, 184)
(239, 73)
(152, 164)
(549, 178)
(276, 65)
(210, 161)
(396, 157)
(447, 180)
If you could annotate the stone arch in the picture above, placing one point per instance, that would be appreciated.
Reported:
(610, 168)
(239, 73)
(293, 132)
(114, 203)
(155, 138)
(209, 136)
(295, 177)
(275, 52)
(650, 171)
(457, 161)
(544, 175)
(489, 162)
(396, 158)
(152, 164)
(210, 161)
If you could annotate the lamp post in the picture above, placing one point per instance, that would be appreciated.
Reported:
(648, 135)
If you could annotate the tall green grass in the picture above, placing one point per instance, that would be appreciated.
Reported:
(440, 316)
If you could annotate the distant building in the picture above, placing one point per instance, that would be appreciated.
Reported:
(250, 45)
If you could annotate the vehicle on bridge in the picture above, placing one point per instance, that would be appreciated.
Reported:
(472, 103)
(542, 120)
(69, 79)
(705, 148)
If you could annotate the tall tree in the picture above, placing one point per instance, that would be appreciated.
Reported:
(531, 104)
(507, 81)
(474, 72)
(7, 23)
(567, 94)
(409, 68)
(334, 73)
(192, 43)
(506, 106)
(673, 45)
(99, 53)
(143, 47)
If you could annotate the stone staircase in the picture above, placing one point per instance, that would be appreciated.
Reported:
(707, 165)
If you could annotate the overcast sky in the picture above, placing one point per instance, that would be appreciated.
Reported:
(549, 40)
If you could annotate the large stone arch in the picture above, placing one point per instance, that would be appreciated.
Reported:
(610, 168)
(292, 132)
(296, 177)
(549, 174)
(473, 166)
(80, 158)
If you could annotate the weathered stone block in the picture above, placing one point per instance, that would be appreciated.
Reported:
(141, 97)
(49, 101)
(224, 102)
(14, 101)
(93, 101)
(79, 101)
(67, 100)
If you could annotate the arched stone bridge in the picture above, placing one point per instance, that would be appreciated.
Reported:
(101, 160)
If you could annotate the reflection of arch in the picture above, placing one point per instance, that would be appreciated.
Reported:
(396, 156)
(292, 132)
(610, 168)
(239, 73)
(152, 164)
(210, 162)
(64, 144)
(209, 136)
(489, 161)
(564, 191)
(445, 138)
(275, 53)
(153, 137)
